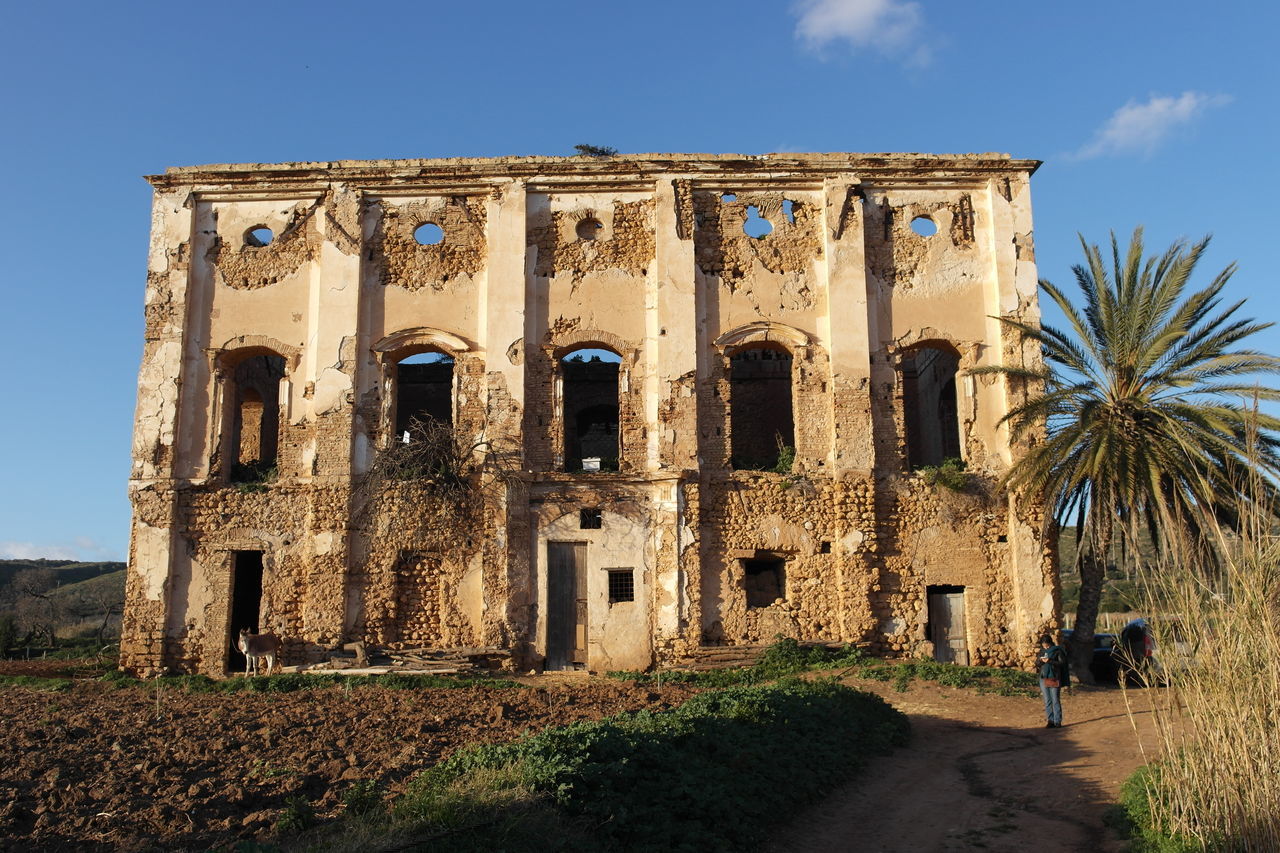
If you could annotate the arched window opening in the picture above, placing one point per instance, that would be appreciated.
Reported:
(590, 392)
(255, 431)
(929, 405)
(761, 423)
(424, 393)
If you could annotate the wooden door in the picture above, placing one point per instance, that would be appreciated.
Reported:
(946, 624)
(566, 604)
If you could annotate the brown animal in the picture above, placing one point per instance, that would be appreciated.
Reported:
(255, 647)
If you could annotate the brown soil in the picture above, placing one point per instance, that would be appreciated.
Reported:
(127, 769)
(130, 769)
(982, 773)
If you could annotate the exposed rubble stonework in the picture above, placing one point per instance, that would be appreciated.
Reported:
(691, 400)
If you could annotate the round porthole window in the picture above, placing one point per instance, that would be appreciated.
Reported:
(589, 228)
(428, 234)
(258, 236)
(924, 226)
(756, 225)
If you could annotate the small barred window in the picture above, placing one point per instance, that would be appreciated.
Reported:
(622, 585)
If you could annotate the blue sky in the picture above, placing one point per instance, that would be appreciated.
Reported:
(1155, 113)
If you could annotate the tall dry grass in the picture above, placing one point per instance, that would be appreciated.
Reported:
(1215, 687)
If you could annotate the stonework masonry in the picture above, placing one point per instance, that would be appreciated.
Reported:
(592, 321)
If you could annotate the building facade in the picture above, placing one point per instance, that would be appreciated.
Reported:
(601, 412)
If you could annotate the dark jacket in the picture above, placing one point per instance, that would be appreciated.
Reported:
(1056, 666)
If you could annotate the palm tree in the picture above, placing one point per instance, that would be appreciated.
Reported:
(1144, 414)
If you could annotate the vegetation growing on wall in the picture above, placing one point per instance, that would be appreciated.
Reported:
(950, 474)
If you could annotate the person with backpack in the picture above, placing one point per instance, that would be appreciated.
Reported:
(1054, 675)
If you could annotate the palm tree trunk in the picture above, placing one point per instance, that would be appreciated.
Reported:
(1093, 571)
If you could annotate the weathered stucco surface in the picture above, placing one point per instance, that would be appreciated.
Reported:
(314, 269)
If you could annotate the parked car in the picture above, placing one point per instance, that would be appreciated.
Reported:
(1105, 664)
(1142, 660)
(1135, 653)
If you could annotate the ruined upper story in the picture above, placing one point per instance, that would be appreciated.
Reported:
(335, 273)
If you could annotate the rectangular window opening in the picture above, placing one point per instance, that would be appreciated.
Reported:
(764, 580)
(590, 519)
(622, 585)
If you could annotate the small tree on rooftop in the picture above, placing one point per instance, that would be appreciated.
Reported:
(595, 150)
(1145, 405)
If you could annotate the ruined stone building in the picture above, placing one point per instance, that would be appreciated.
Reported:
(691, 400)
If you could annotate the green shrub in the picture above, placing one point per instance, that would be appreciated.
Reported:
(298, 815)
(1133, 820)
(950, 474)
(786, 458)
(786, 656)
(713, 774)
(362, 798)
(253, 476)
(8, 632)
(34, 682)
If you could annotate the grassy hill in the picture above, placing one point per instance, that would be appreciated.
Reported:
(111, 583)
(66, 571)
(84, 600)
(1120, 593)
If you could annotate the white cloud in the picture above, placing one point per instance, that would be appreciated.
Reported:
(82, 548)
(1142, 127)
(888, 26)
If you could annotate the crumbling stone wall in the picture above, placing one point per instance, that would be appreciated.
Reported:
(647, 257)
(584, 240)
(244, 263)
(403, 261)
(725, 250)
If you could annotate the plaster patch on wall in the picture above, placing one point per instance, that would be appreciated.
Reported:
(150, 549)
(908, 261)
(331, 390)
(243, 266)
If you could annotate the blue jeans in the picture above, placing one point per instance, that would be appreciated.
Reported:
(1052, 703)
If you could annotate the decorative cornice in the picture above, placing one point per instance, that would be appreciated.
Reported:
(581, 174)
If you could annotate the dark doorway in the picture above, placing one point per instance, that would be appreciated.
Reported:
(929, 405)
(590, 386)
(761, 424)
(764, 579)
(246, 601)
(566, 605)
(946, 624)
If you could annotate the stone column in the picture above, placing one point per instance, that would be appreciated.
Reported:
(671, 353)
(846, 329)
(1012, 293)
(329, 372)
(151, 483)
(507, 337)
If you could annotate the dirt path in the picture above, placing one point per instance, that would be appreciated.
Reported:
(981, 773)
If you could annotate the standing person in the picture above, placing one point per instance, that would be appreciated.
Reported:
(1054, 675)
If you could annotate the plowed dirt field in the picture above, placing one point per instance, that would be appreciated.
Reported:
(98, 767)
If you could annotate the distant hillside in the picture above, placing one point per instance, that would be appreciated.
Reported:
(110, 585)
(1121, 591)
(66, 571)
